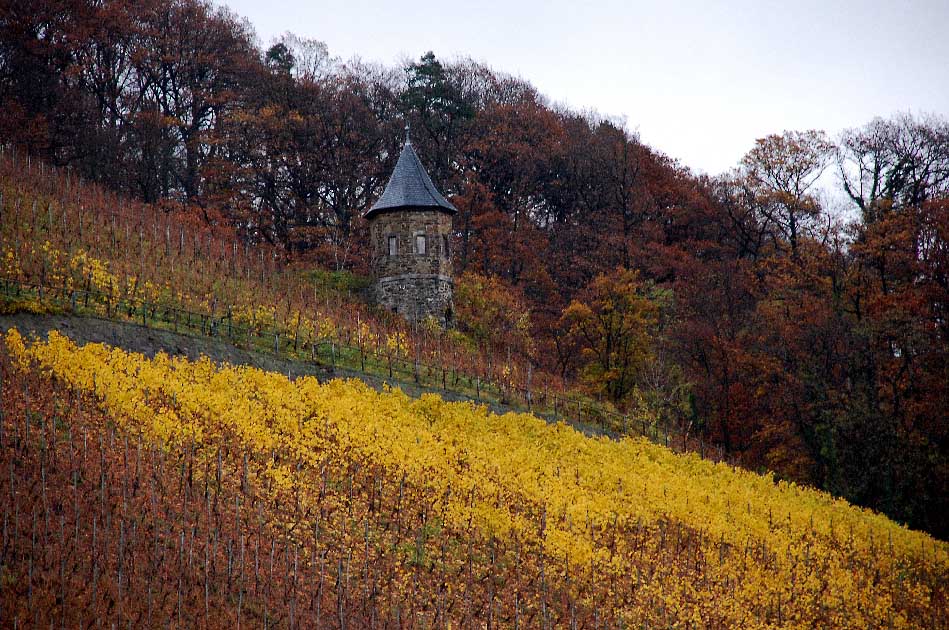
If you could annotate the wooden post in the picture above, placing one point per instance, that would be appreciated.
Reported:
(296, 332)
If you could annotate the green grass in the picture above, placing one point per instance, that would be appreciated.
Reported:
(327, 282)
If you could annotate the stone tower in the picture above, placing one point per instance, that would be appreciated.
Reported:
(410, 234)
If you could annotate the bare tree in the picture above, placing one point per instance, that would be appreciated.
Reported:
(780, 172)
(889, 164)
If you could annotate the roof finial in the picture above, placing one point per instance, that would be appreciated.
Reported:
(408, 128)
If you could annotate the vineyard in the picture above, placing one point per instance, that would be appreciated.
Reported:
(138, 492)
(75, 247)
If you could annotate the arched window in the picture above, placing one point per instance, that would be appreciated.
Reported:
(393, 245)
(445, 242)
(420, 244)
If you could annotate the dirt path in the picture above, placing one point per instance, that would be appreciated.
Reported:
(149, 341)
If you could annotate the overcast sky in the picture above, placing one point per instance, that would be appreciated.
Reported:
(699, 81)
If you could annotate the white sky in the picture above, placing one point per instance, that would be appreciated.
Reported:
(699, 81)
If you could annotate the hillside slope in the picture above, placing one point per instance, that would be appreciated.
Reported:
(370, 508)
(71, 246)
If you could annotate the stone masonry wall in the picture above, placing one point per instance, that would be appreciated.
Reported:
(416, 298)
(414, 285)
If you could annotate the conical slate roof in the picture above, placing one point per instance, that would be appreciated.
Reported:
(410, 187)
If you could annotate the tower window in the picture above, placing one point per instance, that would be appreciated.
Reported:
(420, 244)
(393, 245)
(447, 252)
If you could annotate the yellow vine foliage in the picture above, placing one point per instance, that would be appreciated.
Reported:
(515, 477)
(97, 271)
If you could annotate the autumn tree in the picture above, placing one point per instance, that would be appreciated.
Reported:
(314, 155)
(106, 41)
(510, 149)
(494, 315)
(780, 172)
(41, 106)
(889, 164)
(897, 298)
(612, 323)
(191, 66)
(618, 157)
(472, 203)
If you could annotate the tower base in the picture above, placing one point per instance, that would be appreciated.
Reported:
(416, 296)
